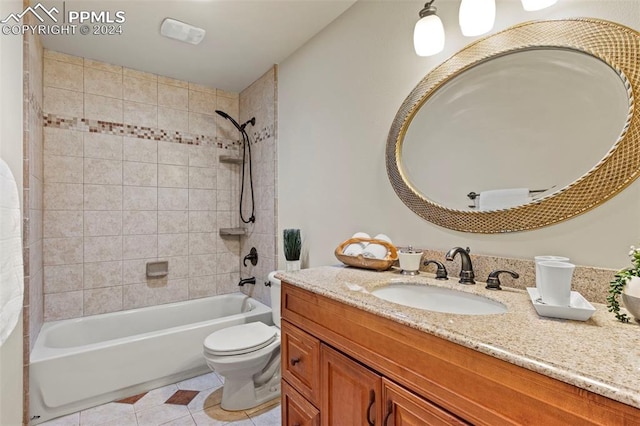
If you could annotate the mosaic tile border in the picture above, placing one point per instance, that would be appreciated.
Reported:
(140, 132)
(264, 133)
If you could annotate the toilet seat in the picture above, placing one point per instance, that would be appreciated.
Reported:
(240, 339)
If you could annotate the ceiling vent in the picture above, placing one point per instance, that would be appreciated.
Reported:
(181, 31)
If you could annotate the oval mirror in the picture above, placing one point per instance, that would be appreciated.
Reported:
(542, 109)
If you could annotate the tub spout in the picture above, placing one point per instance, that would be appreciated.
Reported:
(250, 280)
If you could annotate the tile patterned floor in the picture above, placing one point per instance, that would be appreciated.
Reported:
(190, 402)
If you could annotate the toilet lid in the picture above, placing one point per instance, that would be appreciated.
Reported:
(240, 339)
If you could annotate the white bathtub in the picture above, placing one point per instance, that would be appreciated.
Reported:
(83, 362)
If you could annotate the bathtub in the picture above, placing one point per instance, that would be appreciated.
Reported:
(83, 362)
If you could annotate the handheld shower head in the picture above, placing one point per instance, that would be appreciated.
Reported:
(235, 123)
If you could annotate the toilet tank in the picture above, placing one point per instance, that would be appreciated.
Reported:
(275, 298)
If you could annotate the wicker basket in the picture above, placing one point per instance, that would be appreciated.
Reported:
(360, 261)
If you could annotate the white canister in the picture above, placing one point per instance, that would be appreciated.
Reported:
(555, 282)
(409, 259)
(539, 259)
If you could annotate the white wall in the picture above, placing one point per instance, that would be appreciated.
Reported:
(338, 95)
(11, 152)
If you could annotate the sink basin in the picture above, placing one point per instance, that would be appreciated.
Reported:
(439, 299)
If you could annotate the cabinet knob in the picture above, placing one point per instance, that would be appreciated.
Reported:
(294, 361)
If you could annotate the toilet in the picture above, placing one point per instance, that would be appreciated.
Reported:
(248, 357)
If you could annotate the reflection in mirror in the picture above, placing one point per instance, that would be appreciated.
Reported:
(534, 118)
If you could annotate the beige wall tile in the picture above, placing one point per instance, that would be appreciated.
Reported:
(62, 223)
(202, 102)
(201, 124)
(102, 172)
(62, 169)
(63, 142)
(102, 300)
(90, 63)
(227, 283)
(173, 97)
(104, 83)
(62, 196)
(173, 199)
(141, 115)
(202, 156)
(129, 72)
(173, 153)
(98, 145)
(140, 174)
(224, 219)
(227, 263)
(134, 270)
(173, 222)
(173, 176)
(202, 177)
(140, 247)
(139, 198)
(63, 75)
(102, 249)
(202, 199)
(102, 274)
(178, 266)
(52, 54)
(170, 119)
(201, 88)
(58, 306)
(223, 179)
(224, 200)
(102, 197)
(202, 286)
(59, 278)
(142, 150)
(173, 245)
(233, 96)
(202, 264)
(140, 90)
(63, 103)
(62, 251)
(202, 243)
(140, 222)
(139, 295)
(172, 82)
(103, 108)
(102, 223)
(202, 221)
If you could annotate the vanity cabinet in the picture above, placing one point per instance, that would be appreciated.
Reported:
(345, 366)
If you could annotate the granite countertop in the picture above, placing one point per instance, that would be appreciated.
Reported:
(601, 355)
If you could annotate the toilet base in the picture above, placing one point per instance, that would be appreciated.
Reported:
(242, 394)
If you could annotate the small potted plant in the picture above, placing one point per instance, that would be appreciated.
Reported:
(292, 247)
(627, 285)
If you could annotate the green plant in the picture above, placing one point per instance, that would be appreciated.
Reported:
(617, 285)
(292, 244)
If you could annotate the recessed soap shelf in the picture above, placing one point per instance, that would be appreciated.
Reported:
(231, 159)
(232, 232)
(157, 269)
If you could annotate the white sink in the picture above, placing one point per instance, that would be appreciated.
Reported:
(438, 299)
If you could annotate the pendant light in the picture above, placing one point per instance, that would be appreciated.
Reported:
(428, 35)
(532, 5)
(477, 16)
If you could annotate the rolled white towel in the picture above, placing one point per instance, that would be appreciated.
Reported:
(377, 251)
(356, 248)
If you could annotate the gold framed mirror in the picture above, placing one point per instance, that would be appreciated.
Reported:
(608, 43)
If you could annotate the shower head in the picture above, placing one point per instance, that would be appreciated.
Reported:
(235, 123)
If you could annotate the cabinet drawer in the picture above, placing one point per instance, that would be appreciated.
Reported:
(301, 361)
(297, 411)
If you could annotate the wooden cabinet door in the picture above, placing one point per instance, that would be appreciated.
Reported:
(301, 361)
(403, 408)
(296, 410)
(351, 393)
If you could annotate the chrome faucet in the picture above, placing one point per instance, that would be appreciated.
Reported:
(466, 271)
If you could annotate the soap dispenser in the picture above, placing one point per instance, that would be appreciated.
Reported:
(409, 260)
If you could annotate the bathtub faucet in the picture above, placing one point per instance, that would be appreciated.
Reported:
(250, 280)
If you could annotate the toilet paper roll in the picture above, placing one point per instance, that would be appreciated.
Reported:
(377, 251)
(356, 248)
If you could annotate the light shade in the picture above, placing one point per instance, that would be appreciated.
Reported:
(428, 36)
(477, 16)
(180, 31)
(531, 5)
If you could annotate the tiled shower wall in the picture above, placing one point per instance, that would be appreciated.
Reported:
(131, 175)
(259, 100)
